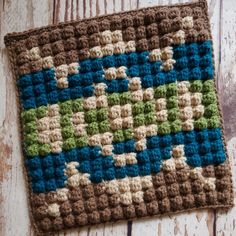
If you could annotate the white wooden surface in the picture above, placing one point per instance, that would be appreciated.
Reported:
(18, 15)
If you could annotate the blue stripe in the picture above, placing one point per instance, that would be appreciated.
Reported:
(193, 62)
(202, 148)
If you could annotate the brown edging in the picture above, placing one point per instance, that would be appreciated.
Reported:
(10, 40)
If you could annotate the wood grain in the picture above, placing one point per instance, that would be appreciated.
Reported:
(20, 15)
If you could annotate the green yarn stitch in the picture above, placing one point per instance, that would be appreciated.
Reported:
(44, 149)
(211, 110)
(41, 112)
(164, 128)
(201, 123)
(68, 144)
(102, 114)
(139, 120)
(173, 114)
(160, 91)
(209, 98)
(29, 115)
(113, 99)
(118, 136)
(90, 116)
(138, 108)
(92, 128)
(128, 134)
(171, 89)
(32, 150)
(125, 98)
(172, 102)
(196, 86)
(104, 126)
(214, 122)
(77, 105)
(66, 107)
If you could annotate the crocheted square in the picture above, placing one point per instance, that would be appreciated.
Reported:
(120, 118)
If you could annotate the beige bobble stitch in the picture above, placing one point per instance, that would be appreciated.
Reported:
(54, 122)
(124, 185)
(178, 151)
(53, 110)
(112, 187)
(106, 138)
(108, 50)
(196, 99)
(168, 165)
(151, 130)
(128, 122)
(184, 100)
(80, 130)
(160, 104)
(96, 52)
(162, 115)
(186, 113)
(119, 48)
(62, 83)
(198, 111)
(54, 210)
(179, 37)
(78, 118)
(137, 96)
(130, 47)
(140, 132)
(117, 36)
(55, 135)
(47, 62)
(147, 182)
(100, 89)
(102, 101)
(155, 55)
(148, 94)
(119, 160)
(167, 53)
(56, 147)
(73, 68)
(62, 71)
(71, 168)
(94, 140)
(34, 54)
(106, 37)
(115, 112)
(137, 197)
(43, 124)
(140, 145)
(135, 184)
(107, 150)
(135, 84)
(131, 158)
(187, 22)
(183, 87)
(121, 72)
(180, 163)
(168, 65)
(209, 184)
(126, 110)
(188, 125)
(74, 180)
(89, 103)
(44, 137)
(126, 198)
(116, 124)
(84, 180)
(196, 173)
(110, 73)
(62, 194)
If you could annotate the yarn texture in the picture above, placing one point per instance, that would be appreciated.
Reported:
(120, 117)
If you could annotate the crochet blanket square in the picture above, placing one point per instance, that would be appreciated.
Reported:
(120, 117)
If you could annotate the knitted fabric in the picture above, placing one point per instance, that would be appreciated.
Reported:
(120, 118)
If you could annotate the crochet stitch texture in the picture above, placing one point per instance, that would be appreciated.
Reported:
(120, 118)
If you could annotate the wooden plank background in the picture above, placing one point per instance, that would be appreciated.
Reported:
(18, 15)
